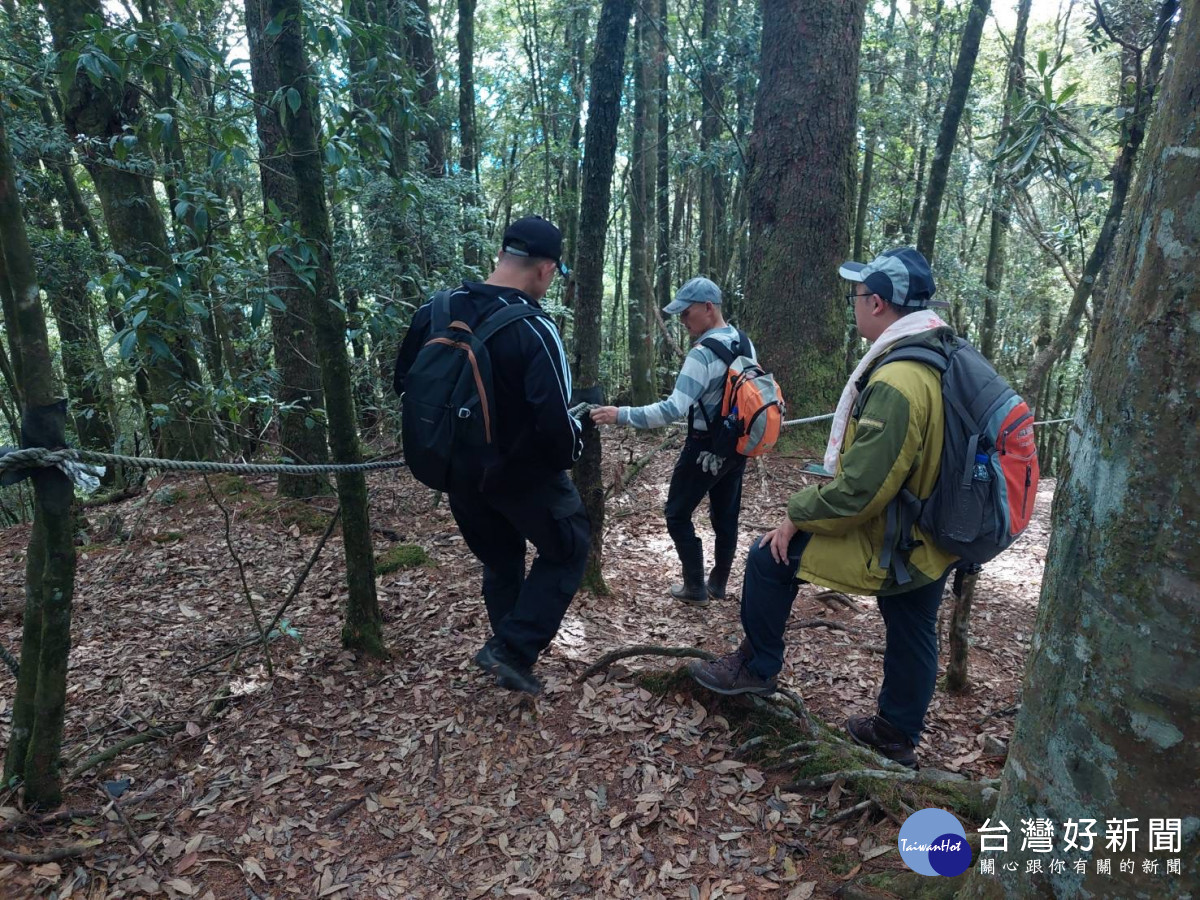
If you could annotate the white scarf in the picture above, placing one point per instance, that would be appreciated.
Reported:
(906, 326)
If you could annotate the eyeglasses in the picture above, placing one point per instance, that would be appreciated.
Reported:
(854, 295)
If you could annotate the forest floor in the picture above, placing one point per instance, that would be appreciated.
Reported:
(416, 777)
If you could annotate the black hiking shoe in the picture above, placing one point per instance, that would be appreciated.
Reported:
(496, 659)
(690, 594)
(729, 675)
(884, 738)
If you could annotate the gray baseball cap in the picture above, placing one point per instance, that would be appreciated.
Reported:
(698, 290)
(901, 276)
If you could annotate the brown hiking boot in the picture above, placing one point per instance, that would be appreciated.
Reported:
(729, 675)
(884, 738)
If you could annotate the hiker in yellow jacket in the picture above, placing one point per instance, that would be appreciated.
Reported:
(886, 435)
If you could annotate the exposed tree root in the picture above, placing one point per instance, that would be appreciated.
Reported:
(31, 859)
(643, 650)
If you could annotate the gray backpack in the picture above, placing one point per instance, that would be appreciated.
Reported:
(983, 498)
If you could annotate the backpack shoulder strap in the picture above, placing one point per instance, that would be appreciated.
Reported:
(723, 353)
(934, 358)
(439, 312)
(505, 315)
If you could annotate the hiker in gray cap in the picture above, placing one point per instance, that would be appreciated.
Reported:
(698, 472)
(886, 438)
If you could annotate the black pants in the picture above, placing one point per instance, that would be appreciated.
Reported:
(525, 610)
(910, 655)
(689, 485)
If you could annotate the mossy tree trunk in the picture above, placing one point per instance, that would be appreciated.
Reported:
(301, 428)
(599, 156)
(135, 226)
(801, 195)
(362, 629)
(38, 710)
(1109, 726)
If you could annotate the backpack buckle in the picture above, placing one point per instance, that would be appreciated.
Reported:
(464, 413)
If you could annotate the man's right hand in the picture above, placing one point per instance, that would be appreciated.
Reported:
(604, 415)
(778, 540)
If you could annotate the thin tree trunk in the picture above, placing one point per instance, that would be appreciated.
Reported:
(466, 122)
(35, 740)
(801, 195)
(998, 237)
(1108, 724)
(956, 103)
(599, 155)
(662, 283)
(362, 629)
(868, 167)
(642, 330)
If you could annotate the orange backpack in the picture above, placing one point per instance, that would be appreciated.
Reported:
(752, 406)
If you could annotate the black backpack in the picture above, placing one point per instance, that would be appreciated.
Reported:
(448, 405)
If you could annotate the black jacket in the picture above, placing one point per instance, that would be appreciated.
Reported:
(530, 377)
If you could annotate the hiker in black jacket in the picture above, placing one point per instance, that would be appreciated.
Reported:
(528, 496)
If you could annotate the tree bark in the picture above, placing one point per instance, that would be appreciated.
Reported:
(801, 195)
(599, 155)
(956, 103)
(662, 280)
(302, 431)
(362, 629)
(424, 62)
(642, 167)
(993, 270)
(40, 704)
(1121, 176)
(467, 158)
(1108, 724)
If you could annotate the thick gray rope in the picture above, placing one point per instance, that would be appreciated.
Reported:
(40, 456)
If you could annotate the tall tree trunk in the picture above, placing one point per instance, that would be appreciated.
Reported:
(1121, 176)
(1108, 724)
(40, 704)
(424, 62)
(467, 158)
(801, 194)
(642, 167)
(662, 281)
(299, 391)
(135, 223)
(362, 628)
(710, 129)
(956, 103)
(599, 155)
(993, 271)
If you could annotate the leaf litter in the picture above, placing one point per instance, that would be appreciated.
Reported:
(416, 777)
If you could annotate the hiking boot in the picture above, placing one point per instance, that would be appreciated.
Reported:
(729, 675)
(693, 595)
(717, 585)
(692, 590)
(496, 659)
(884, 738)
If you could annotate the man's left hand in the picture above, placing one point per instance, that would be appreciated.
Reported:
(778, 539)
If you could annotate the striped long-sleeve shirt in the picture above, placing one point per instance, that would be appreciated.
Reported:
(701, 381)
